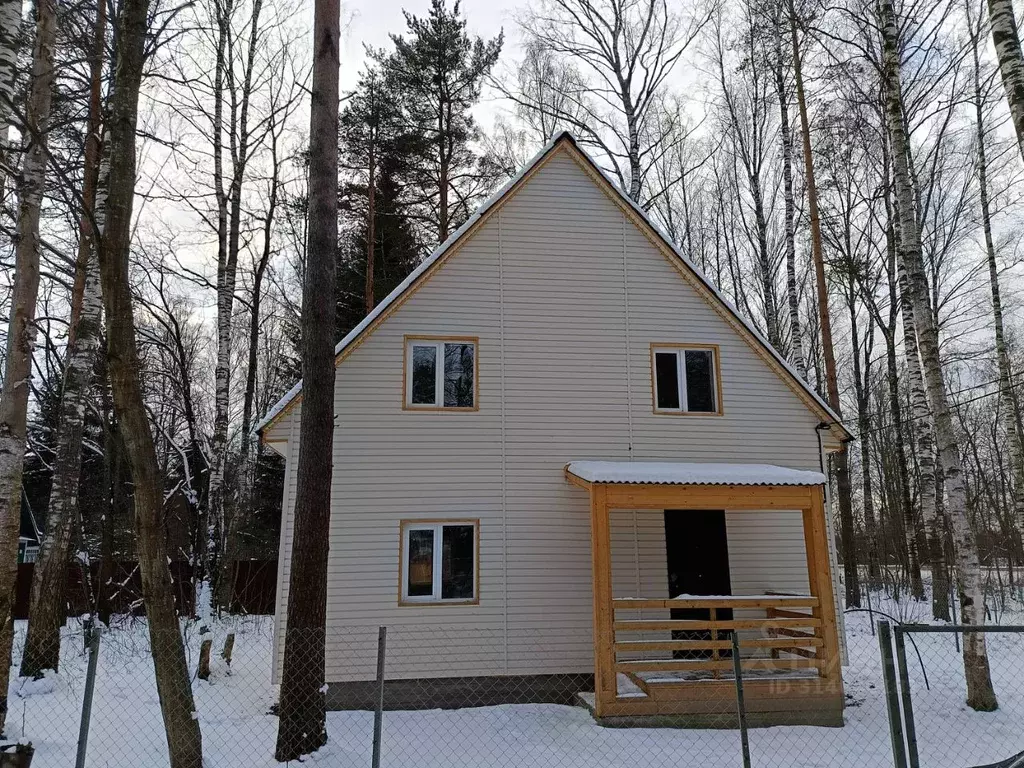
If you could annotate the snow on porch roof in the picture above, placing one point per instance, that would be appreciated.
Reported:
(672, 473)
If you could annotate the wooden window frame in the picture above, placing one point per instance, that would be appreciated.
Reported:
(407, 343)
(411, 524)
(680, 350)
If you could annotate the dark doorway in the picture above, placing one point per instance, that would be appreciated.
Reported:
(697, 554)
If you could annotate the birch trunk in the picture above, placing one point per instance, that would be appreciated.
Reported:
(302, 723)
(793, 299)
(1010, 411)
(42, 643)
(925, 434)
(10, 44)
(49, 577)
(237, 520)
(21, 327)
(980, 694)
(221, 512)
(1011, 62)
(209, 522)
(844, 489)
(862, 388)
(633, 150)
(171, 671)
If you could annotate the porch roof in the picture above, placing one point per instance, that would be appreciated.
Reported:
(690, 473)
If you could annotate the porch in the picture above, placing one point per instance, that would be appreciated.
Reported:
(669, 660)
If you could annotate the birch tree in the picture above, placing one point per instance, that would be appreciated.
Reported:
(10, 44)
(1006, 40)
(1008, 402)
(21, 328)
(746, 115)
(980, 693)
(621, 53)
(49, 577)
(778, 30)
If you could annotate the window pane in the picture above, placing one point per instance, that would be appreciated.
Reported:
(458, 375)
(421, 563)
(700, 384)
(424, 369)
(667, 376)
(457, 562)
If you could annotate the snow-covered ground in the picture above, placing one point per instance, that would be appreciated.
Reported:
(237, 731)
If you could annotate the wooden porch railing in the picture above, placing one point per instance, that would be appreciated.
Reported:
(785, 629)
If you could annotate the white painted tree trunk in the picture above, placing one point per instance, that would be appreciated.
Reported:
(980, 694)
(21, 325)
(1011, 62)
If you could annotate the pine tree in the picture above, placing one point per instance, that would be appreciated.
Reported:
(375, 140)
(437, 73)
(397, 249)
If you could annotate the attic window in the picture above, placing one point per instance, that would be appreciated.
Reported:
(685, 379)
(440, 373)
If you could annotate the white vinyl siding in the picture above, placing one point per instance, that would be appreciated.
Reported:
(556, 267)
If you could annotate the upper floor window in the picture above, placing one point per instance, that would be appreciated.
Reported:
(686, 379)
(440, 373)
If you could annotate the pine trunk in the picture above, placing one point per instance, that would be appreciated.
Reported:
(1011, 62)
(371, 221)
(21, 328)
(302, 724)
(980, 694)
(442, 178)
(844, 489)
(170, 668)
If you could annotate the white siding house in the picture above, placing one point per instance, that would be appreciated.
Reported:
(565, 291)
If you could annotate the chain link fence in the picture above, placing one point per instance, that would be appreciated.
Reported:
(933, 726)
(459, 697)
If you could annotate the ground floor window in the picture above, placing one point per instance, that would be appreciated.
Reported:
(439, 561)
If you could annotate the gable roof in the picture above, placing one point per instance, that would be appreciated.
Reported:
(687, 269)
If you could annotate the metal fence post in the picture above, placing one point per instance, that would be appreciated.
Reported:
(378, 713)
(908, 705)
(892, 700)
(741, 709)
(93, 633)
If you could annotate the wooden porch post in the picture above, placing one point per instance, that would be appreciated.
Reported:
(600, 543)
(819, 574)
